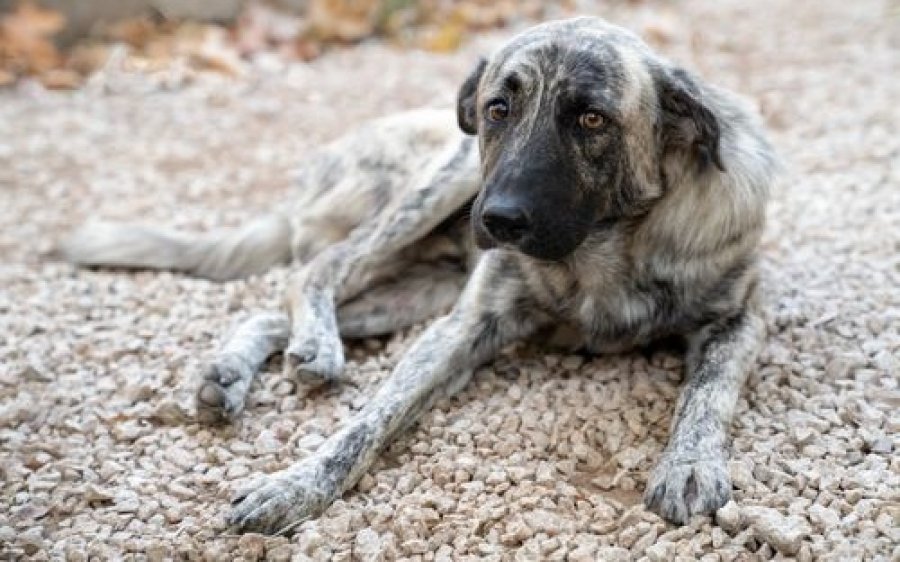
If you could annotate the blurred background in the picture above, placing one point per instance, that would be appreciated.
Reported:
(60, 42)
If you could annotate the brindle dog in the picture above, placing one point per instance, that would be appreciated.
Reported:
(608, 190)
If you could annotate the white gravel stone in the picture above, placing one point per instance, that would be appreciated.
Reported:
(660, 552)
(729, 517)
(583, 553)
(368, 544)
(783, 533)
(823, 518)
(613, 554)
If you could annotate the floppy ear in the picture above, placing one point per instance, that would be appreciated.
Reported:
(688, 122)
(466, 112)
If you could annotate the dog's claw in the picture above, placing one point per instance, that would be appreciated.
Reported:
(682, 486)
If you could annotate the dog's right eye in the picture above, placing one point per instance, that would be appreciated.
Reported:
(590, 120)
(497, 110)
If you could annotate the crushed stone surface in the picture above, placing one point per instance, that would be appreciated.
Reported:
(542, 456)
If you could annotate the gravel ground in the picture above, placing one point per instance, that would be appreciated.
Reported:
(543, 456)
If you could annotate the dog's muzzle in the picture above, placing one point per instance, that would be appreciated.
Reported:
(506, 222)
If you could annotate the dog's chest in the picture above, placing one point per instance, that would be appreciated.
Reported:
(600, 301)
(612, 319)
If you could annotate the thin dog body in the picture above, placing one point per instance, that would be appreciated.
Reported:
(606, 190)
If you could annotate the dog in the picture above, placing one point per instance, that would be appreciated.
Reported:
(585, 183)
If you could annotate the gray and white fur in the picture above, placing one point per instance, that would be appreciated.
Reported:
(606, 191)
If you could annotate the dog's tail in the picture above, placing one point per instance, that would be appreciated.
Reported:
(220, 255)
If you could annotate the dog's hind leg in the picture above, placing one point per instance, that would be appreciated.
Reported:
(419, 295)
(343, 270)
(337, 274)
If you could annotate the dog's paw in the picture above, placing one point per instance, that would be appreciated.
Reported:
(277, 503)
(684, 485)
(223, 390)
(315, 359)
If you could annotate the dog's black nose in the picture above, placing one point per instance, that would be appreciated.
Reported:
(506, 223)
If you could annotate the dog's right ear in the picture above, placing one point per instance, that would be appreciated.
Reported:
(466, 110)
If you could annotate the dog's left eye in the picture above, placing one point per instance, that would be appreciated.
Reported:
(590, 120)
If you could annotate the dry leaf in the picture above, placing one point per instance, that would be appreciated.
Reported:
(216, 61)
(136, 32)
(435, 25)
(343, 20)
(35, 20)
(85, 59)
(60, 79)
(263, 28)
(445, 39)
(211, 50)
(481, 16)
(25, 39)
(303, 49)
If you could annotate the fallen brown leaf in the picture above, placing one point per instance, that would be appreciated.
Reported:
(35, 20)
(136, 32)
(215, 61)
(343, 20)
(25, 39)
(85, 59)
(60, 79)
(303, 49)
(444, 39)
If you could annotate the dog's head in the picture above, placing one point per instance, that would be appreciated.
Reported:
(574, 118)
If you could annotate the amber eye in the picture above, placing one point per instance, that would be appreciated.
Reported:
(590, 120)
(497, 110)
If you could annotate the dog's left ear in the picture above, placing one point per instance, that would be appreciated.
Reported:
(688, 122)
(466, 111)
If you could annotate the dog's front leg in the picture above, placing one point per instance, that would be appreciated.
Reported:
(345, 269)
(491, 313)
(223, 389)
(692, 475)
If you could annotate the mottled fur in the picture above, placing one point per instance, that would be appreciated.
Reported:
(643, 228)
